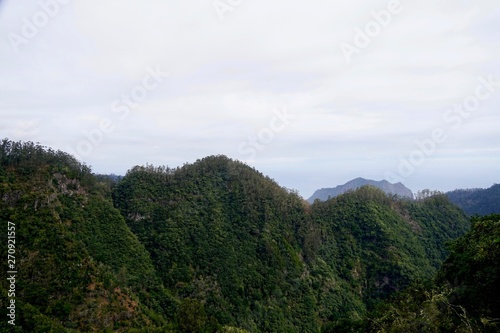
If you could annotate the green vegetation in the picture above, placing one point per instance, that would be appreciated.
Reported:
(477, 201)
(222, 234)
(79, 265)
(473, 269)
(464, 297)
(215, 246)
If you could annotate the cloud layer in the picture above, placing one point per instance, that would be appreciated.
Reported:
(228, 77)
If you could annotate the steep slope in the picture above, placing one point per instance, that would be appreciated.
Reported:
(440, 222)
(473, 270)
(379, 243)
(253, 255)
(213, 246)
(79, 265)
(477, 201)
(391, 189)
(464, 297)
(223, 236)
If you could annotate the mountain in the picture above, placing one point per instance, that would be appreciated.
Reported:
(473, 269)
(79, 266)
(463, 296)
(477, 201)
(224, 239)
(392, 189)
(213, 246)
(253, 255)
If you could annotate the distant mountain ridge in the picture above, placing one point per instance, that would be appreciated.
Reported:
(325, 193)
(477, 201)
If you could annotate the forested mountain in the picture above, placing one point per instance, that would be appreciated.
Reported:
(463, 297)
(473, 270)
(225, 239)
(383, 243)
(390, 189)
(213, 246)
(477, 201)
(79, 265)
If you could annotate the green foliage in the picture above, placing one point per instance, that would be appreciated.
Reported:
(477, 201)
(473, 268)
(228, 329)
(191, 317)
(222, 234)
(71, 245)
(259, 258)
(380, 244)
(465, 297)
(215, 246)
(436, 221)
(420, 309)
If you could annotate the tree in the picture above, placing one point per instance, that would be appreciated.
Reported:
(191, 316)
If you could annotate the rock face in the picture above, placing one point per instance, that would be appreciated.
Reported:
(325, 193)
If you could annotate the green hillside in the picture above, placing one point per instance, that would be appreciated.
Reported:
(266, 251)
(224, 236)
(381, 244)
(477, 201)
(213, 246)
(80, 266)
(464, 296)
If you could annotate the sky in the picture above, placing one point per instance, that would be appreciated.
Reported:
(312, 94)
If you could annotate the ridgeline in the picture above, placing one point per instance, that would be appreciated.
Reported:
(213, 246)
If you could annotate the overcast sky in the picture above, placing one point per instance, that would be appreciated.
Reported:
(312, 93)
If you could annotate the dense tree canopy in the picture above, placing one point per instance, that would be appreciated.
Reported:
(215, 246)
(464, 297)
(477, 201)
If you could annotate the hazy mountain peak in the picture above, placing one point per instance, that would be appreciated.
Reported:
(389, 188)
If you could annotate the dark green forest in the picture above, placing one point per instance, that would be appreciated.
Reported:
(477, 201)
(216, 246)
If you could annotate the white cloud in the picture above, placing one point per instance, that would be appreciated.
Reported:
(228, 76)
